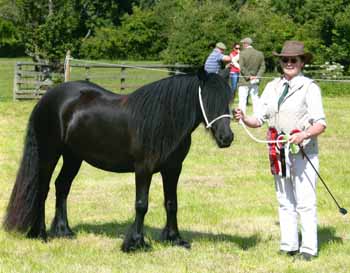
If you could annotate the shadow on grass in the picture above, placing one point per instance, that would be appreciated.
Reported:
(115, 229)
(326, 236)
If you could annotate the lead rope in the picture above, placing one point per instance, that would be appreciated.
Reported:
(209, 124)
(259, 140)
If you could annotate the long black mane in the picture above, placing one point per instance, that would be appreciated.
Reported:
(168, 110)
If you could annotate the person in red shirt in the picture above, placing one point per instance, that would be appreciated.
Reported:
(234, 67)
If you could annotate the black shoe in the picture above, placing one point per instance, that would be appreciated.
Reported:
(289, 253)
(305, 256)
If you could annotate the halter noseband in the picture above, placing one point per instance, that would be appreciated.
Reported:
(209, 124)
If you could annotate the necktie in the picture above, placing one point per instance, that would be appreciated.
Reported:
(284, 94)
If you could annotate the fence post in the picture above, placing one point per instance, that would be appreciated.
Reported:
(122, 78)
(18, 67)
(87, 70)
(177, 70)
(67, 67)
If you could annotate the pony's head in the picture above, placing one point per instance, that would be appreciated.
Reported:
(214, 97)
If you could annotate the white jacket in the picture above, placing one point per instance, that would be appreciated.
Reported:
(299, 110)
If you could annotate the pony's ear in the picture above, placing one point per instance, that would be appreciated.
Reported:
(202, 74)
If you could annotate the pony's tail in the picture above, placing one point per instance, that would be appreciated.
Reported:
(22, 208)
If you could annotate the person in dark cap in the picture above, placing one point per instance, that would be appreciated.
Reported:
(292, 107)
(252, 67)
(215, 59)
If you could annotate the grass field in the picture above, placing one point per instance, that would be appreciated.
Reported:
(227, 207)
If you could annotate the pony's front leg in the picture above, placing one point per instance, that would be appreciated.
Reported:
(134, 238)
(170, 232)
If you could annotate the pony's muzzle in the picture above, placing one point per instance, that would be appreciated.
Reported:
(225, 140)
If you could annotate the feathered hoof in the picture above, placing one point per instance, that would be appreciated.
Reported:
(182, 243)
(37, 234)
(174, 238)
(61, 232)
(135, 243)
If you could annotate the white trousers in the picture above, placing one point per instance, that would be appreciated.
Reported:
(297, 197)
(243, 92)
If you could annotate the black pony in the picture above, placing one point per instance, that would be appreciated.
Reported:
(145, 132)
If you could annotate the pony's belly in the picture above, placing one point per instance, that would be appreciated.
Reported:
(110, 158)
(112, 166)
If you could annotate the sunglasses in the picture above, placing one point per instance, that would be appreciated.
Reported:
(237, 48)
(292, 60)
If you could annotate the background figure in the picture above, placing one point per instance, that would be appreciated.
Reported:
(252, 66)
(234, 67)
(293, 103)
(216, 58)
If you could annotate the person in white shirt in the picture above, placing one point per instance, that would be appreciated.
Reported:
(293, 103)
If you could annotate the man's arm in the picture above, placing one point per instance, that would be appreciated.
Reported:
(226, 58)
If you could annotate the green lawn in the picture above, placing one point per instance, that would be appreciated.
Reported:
(227, 208)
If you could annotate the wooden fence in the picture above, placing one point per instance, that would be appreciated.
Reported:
(31, 80)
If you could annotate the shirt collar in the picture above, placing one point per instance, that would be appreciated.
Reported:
(295, 81)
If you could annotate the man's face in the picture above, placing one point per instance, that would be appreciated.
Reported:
(291, 66)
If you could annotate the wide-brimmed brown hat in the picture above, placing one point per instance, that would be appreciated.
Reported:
(294, 48)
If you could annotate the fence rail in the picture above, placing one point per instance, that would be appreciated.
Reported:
(32, 80)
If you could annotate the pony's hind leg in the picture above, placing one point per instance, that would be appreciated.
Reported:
(170, 232)
(46, 167)
(71, 166)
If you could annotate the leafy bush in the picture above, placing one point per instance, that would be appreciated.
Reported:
(106, 43)
(10, 43)
(56, 35)
(137, 38)
(198, 29)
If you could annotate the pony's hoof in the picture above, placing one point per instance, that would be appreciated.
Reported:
(37, 234)
(132, 245)
(174, 238)
(132, 248)
(60, 229)
(62, 232)
(182, 243)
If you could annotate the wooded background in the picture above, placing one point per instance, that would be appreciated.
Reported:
(171, 31)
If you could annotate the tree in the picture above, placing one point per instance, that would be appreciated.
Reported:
(10, 44)
(197, 29)
(50, 27)
(10, 39)
(267, 28)
(340, 50)
(141, 34)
